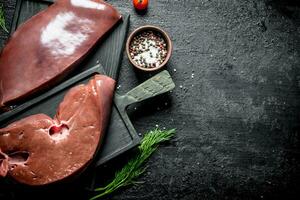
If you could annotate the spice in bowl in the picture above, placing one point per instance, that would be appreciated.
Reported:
(149, 48)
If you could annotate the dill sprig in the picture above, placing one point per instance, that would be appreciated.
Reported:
(134, 167)
(2, 19)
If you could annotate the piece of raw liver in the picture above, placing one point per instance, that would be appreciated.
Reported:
(39, 150)
(51, 44)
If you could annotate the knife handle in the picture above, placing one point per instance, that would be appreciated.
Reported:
(158, 84)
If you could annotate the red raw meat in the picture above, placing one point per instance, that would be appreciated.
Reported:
(49, 45)
(39, 150)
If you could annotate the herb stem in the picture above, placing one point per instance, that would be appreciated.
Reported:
(134, 168)
(2, 19)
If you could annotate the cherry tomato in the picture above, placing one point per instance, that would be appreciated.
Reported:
(140, 4)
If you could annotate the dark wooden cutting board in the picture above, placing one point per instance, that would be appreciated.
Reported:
(108, 52)
(121, 135)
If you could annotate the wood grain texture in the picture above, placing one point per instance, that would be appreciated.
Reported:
(237, 120)
(158, 84)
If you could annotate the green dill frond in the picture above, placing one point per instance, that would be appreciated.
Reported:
(134, 168)
(2, 19)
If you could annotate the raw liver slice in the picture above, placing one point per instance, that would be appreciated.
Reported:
(39, 150)
(49, 45)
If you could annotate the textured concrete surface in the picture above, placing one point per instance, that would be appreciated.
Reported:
(237, 119)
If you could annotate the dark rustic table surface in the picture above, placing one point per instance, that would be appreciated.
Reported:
(236, 106)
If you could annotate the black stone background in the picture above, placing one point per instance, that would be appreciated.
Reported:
(237, 120)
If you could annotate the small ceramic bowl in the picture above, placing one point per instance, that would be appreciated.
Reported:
(154, 29)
